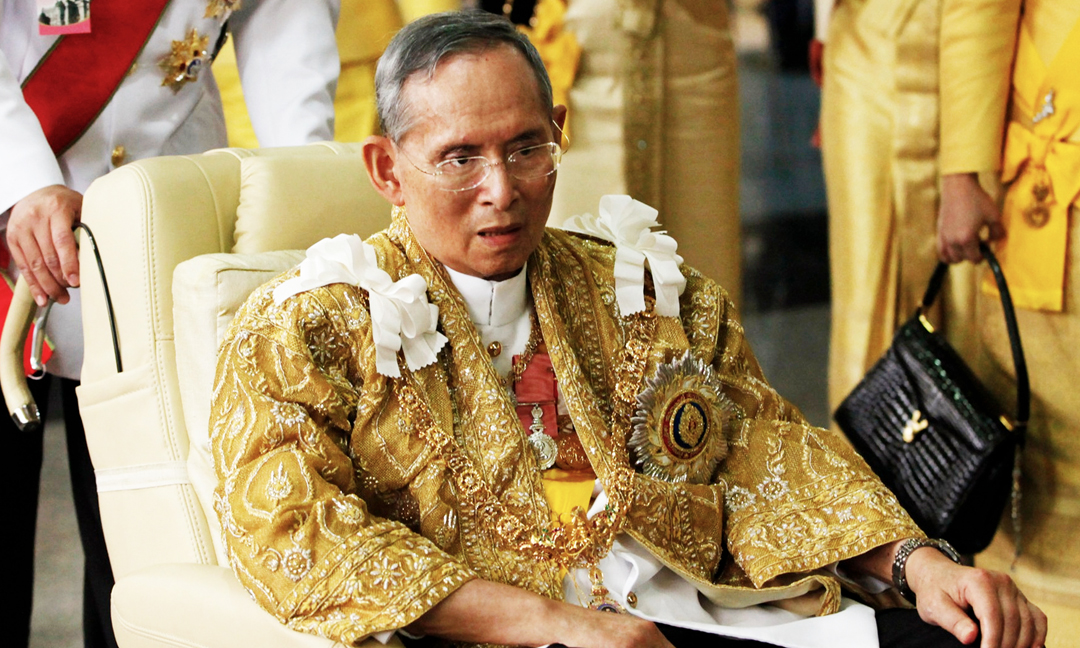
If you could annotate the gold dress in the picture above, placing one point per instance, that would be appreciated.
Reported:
(879, 127)
(351, 503)
(1001, 103)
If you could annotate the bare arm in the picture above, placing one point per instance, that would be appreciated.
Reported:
(485, 612)
(945, 593)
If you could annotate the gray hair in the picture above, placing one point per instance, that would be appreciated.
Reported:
(421, 45)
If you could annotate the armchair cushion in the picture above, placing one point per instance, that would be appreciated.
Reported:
(286, 202)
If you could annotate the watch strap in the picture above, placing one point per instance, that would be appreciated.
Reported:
(908, 547)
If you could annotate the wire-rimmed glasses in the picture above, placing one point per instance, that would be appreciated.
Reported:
(469, 172)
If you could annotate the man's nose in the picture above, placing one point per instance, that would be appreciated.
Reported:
(499, 186)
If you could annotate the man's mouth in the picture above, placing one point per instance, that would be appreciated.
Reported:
(493, 232)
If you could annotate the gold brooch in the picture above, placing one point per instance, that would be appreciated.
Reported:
(221, 9)
(679, 427)
(186, 60)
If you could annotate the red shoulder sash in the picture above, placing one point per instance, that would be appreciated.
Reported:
(75, 80)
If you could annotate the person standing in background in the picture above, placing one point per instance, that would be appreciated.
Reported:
(653, 112)
(73, 108)
(877, 62)
(1011, 116)
(363, 31)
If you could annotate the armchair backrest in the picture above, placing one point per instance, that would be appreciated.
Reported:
(146, 425)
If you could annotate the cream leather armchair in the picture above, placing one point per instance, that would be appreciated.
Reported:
(183, 241)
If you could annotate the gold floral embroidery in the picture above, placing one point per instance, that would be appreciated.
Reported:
(378, 523)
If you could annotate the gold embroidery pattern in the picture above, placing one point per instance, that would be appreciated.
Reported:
(343, 519)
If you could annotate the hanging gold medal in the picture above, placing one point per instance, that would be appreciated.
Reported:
(679, 430)
(1038, 213)
(186, 60)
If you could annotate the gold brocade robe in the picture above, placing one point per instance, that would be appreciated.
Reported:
(342, 521)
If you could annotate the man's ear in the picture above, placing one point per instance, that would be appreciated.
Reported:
(379, 160)
(558, 115)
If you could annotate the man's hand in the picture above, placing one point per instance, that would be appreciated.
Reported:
(946, 591)
(965, 210)
(481, 611)
(42, 244)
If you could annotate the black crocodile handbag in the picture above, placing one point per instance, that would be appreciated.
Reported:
(927, 427)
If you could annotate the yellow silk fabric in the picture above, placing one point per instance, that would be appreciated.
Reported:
(1048, 570)
(566, 490)
(978, 41)
(342, 520)
(879, 127)
(1045, 153)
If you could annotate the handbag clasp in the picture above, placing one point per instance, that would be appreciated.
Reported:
(914, 425)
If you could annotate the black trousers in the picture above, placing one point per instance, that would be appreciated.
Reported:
(21, 477)
(896, 629)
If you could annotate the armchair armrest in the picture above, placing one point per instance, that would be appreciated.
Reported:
(186, 605)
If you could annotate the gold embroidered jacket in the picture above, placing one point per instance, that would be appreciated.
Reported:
(343, 521)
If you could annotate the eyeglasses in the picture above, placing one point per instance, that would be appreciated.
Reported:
(465, 173)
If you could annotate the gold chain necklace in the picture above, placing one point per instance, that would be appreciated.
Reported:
(517, 369)
(583, 541)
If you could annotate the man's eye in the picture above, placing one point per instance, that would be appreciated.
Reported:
(459, 164)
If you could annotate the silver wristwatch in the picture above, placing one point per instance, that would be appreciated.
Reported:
(899, 566)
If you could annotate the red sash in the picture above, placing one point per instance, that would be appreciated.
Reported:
(7, 291)
(75, 80)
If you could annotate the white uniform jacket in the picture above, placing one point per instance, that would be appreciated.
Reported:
(288, 63)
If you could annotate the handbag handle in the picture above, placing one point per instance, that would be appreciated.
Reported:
(1023, 387)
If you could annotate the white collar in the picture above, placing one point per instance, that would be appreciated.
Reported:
(492, 303)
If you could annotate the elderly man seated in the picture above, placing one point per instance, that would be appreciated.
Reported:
(473, 428)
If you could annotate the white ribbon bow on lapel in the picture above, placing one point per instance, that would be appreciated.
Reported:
(401, 316)
(627, 223)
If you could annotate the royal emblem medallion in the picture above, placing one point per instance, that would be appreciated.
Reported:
(679, 427)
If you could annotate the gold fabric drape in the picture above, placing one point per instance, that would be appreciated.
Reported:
(342, 520)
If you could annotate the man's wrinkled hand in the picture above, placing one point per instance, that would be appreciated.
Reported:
(966, 209)
(42, 244)
(949, 595)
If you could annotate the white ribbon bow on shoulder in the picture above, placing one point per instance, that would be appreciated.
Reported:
(628, 224)
(401, 316)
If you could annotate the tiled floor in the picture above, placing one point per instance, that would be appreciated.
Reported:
(786, 311)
